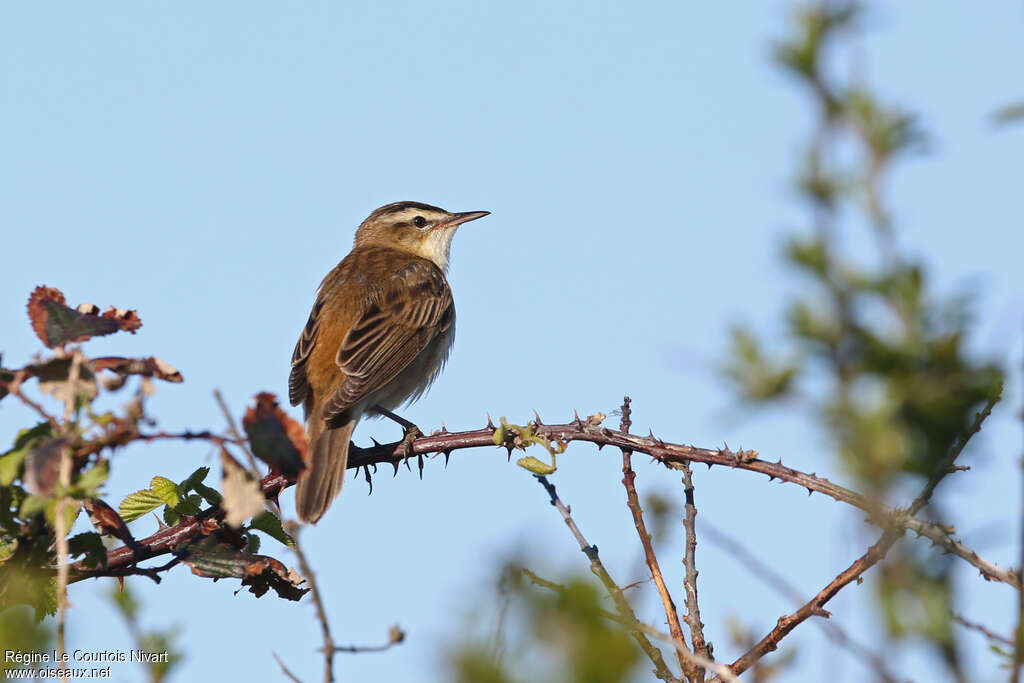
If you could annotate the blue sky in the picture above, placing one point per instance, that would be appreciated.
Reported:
(207, 164)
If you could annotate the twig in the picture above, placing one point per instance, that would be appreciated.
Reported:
(690, 563)
(61, 525)
(769, 576)
(633, 502)
(815, 606)
(284, 669)
(395, 636)
(980, 628)
(661, 670)
(947, 464)
(293, 530)
(239, 441)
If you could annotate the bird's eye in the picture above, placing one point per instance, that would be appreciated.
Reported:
(419, 221)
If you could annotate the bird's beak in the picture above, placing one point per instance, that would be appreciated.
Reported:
(460, 218)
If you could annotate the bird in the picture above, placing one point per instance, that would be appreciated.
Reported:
(380, 331)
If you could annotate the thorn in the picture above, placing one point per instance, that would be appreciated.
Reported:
(509, 452)
(650, 434)
(374, 468)
(407, 465)
(366, 472)
(444, 430)
(576, 419)
(809, 491)
(447, 454)
(419, 459)
(708, 464)
(394, 463)
(375, 442)
(537, 417)
(600, 446)
(159, 521)
(490, 423)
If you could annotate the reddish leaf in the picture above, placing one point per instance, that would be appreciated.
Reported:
(57, 324)
(106, 520)
(276, 438)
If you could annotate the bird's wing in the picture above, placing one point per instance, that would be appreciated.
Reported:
(298, 383)
(414, 307)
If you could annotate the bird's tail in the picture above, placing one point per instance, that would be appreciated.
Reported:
(321, 481)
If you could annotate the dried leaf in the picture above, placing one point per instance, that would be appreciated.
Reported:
(242, 495)
(57, 324)
(276, 438)
(147, 367)
(54, 375)
(259, 572)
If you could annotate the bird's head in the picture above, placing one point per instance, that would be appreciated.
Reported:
(421, 229)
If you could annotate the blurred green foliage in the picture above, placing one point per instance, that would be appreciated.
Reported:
(880, 358)
(549, 634)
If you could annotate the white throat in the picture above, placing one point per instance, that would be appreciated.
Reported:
(437, 246)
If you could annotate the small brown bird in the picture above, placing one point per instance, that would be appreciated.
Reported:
(379, 334)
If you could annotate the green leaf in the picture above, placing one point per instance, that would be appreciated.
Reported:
(71, 511)
(534, 465)
(171, 516)
(212, 496)
(91, 545)
(47, 600)
(269, 524)
(11, 461)
(90, 480)
(31, 506)
(166, 490)
(253, 543)
(189, 505)
(197, 477)
(138, 504)
(8, 546)
(10, 466)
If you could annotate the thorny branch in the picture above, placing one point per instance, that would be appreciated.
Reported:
(671, 455)
(690, 564)
(770, 576)
(691, 671)
(597, 567)
(815, 606)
